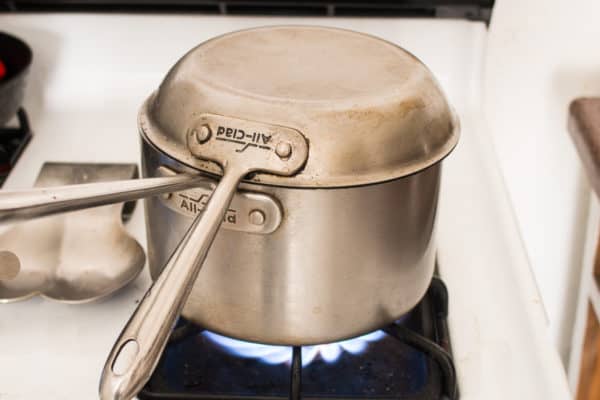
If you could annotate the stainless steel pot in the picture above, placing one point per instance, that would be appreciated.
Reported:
(349, 234)
(335, 140)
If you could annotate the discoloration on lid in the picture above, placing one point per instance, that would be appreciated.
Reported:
(370, 111)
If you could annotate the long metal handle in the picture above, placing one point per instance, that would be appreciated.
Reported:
(142, 341)
(32, 203)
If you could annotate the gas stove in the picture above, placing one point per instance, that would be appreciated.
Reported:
(409, 359)
(500, 346)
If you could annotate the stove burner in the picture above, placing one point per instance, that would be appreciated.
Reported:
(329, 353)
(408, 360)
(13, 141)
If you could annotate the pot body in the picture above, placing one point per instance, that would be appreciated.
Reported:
(341, 262)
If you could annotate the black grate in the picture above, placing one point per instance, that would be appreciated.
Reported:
(13, 141)
(413, 362)
(479, 10)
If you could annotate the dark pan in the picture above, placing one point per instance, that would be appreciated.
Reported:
(16, 56)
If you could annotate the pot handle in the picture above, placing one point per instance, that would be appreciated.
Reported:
(31, 203)
(135, 354)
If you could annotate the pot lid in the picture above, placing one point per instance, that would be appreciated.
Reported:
(369, 110)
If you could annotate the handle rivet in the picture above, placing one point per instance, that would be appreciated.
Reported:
(9, 265)
(283, 150)
(256, 217)
(202, 134)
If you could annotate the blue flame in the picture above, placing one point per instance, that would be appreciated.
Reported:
(283, 354)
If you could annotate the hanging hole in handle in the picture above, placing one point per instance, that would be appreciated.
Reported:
(125, 356)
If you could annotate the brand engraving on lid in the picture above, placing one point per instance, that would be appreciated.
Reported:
(243, 138)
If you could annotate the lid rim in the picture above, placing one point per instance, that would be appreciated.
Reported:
(301, 187)
(212, 168)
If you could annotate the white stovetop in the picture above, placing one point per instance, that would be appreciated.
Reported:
(89, 76)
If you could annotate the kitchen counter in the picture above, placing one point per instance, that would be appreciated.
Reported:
(584, 124)
(90, 75)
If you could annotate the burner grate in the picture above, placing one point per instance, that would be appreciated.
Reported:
(13, 141)
(413, 362)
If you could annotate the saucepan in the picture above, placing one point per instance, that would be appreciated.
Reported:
(308, 160)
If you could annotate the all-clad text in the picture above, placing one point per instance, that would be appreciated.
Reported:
(241, 135)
